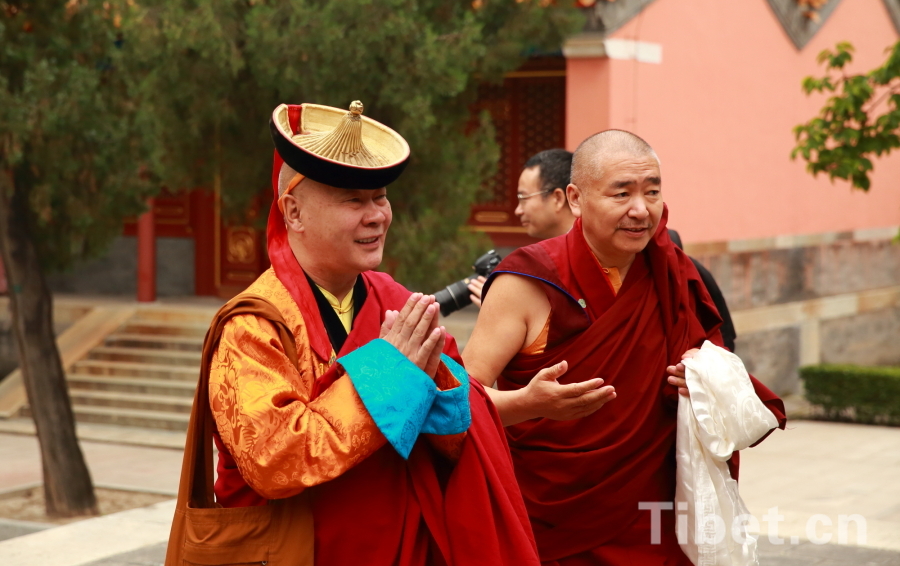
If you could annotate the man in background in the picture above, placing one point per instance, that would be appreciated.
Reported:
(543, 208)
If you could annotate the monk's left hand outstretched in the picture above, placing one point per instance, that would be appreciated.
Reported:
(676, 373)
(545, 397)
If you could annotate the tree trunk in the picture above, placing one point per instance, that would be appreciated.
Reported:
(67, 482)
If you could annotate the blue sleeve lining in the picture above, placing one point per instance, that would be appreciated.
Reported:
(401, 398)
(450, 412)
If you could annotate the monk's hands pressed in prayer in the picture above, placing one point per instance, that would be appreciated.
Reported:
(415, 332)
(544, 396)
(676, 373)
(475, 287)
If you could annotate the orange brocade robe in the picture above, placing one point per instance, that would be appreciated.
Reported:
(281, 446)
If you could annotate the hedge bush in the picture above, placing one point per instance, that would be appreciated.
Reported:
(864, 394)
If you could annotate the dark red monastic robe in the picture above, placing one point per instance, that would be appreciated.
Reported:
(583, 479)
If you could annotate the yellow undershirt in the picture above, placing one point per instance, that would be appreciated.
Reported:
(344, 309)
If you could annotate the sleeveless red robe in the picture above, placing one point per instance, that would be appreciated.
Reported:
(582, 479)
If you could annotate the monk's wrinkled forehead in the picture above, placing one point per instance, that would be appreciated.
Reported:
(605, 150)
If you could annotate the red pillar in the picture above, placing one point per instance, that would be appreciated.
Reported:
(146, 243)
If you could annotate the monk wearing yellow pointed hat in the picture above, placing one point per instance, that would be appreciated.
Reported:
(337, 400)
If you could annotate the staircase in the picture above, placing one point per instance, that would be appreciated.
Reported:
(143, 374)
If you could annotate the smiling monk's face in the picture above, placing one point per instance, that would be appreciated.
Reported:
(343, 229)
(617, 192)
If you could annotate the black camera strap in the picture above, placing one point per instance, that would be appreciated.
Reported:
(337, 335)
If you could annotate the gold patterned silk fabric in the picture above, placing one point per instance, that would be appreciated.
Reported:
(344, 309)
(281, 441)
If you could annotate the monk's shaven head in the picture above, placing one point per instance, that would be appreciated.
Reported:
(594, 153)
(307, 185)
(284, 178)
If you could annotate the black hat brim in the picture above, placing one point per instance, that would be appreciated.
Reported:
(334, 173)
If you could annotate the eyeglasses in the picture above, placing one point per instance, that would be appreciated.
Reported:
(526, 197)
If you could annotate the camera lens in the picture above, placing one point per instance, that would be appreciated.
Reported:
(453, 297)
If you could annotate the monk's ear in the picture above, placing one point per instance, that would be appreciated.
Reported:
(573, 193)
(292, 217)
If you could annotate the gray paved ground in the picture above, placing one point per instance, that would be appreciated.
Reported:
(148, 556)
(812, 469)
(12, 529)
(808, 554)
(805, 554)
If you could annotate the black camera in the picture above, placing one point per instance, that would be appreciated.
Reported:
(456, 295)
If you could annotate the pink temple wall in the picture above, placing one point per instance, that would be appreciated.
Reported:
(720, 109)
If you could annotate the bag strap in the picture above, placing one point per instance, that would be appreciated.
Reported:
(196, 484)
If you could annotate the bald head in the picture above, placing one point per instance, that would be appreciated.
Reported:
(616, 190)
(285, 176)
(596, 152)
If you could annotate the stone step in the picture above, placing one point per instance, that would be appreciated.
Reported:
(119, 400)
(153, 327)
(138, 385)
(146, 355)
(155, 342)
(135, 369)
(175, 315)
(158, 420)
(131, 417)
(115, 434)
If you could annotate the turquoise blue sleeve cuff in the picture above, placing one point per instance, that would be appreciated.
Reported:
(397, 394)
(450, 412)
(401, 398)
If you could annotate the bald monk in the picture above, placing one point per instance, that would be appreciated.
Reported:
(611, 307)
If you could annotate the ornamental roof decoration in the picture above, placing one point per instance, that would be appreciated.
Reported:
(801, 19)
(606, 16)
(893, 8)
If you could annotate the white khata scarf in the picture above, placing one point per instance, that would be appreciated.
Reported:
(722, 414)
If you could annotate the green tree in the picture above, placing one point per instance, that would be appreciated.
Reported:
(859, 122)
(101, 103)
(215, 70)
(68, 175)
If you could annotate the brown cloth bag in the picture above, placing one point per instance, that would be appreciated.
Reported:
(203, 532)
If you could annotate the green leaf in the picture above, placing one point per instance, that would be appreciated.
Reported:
(851, 127)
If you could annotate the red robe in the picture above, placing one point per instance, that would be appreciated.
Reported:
(582, 479)
(384, 509)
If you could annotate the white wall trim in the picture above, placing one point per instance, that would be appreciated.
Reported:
(590, 45)
(629, 49)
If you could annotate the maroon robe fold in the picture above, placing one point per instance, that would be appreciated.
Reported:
(582, 479)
